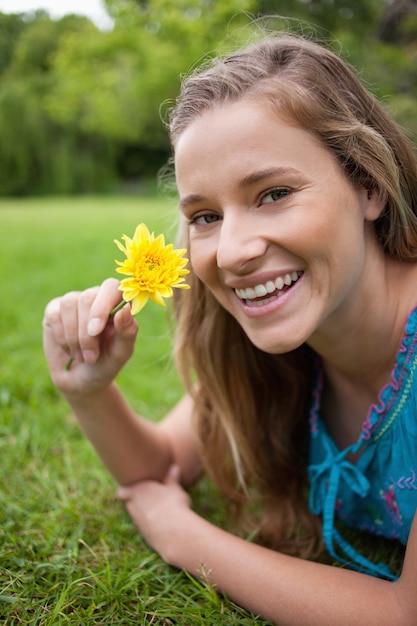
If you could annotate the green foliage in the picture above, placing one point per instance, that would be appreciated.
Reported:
(390, 72)
(11, 27)
(80, 108)
(35, 47)
(102, 85)
(332, 16)
(113, 83)
(37, 154)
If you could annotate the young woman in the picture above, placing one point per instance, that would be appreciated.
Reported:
(296, 342)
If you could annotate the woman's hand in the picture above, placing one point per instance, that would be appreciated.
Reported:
(160, 511)
(77, 326)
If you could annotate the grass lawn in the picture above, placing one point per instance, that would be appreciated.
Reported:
(69, 553)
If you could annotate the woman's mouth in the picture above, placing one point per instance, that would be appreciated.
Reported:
(265, 292)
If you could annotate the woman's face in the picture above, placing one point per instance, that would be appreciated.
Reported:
(277, 232)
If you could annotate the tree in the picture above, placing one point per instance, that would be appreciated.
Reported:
(399, 22)
(328, 16)
(11, 27)
(81, 109)
(113, 83)
(37, 154)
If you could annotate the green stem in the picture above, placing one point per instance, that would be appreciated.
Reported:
(111, 314)
(117, 308)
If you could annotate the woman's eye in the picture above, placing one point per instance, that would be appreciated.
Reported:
(274, 195)
(205, 219)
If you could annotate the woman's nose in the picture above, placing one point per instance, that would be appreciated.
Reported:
(239, 244)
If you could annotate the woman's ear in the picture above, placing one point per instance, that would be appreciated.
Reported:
(375, 203)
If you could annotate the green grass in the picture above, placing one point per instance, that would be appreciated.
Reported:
(69, 553)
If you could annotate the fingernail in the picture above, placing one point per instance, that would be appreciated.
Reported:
(95, 326)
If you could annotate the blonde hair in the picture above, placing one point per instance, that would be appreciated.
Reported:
(252, 407)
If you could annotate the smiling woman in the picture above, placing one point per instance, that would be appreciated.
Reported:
(297, 343)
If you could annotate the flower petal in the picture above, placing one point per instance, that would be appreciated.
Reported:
(142, 235)
(139, 302)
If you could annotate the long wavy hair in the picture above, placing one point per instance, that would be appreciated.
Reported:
(252, 407)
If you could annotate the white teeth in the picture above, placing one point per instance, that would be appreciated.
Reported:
(262, 290)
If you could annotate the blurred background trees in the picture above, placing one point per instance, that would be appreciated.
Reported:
(80, 109)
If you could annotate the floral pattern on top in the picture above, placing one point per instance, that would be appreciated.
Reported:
(378, 493)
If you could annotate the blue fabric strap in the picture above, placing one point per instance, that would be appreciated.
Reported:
(326, 479)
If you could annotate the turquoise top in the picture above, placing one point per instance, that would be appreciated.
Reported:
(378, 493)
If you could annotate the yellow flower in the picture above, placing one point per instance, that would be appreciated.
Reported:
(152, 267)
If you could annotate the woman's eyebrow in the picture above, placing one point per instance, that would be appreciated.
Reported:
(260, 175)
(192, 198)
(247, 181)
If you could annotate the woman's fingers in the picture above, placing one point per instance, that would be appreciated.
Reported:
(78, 319)
(55, 342)
(88, 345)
(77, 330)
(108, 297)
(125, 329)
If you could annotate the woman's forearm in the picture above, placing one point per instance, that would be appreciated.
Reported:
(287, 590)
(130, 447)
(133, 448)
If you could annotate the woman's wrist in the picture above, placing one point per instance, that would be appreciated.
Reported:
(92, 399)
(187, 541)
